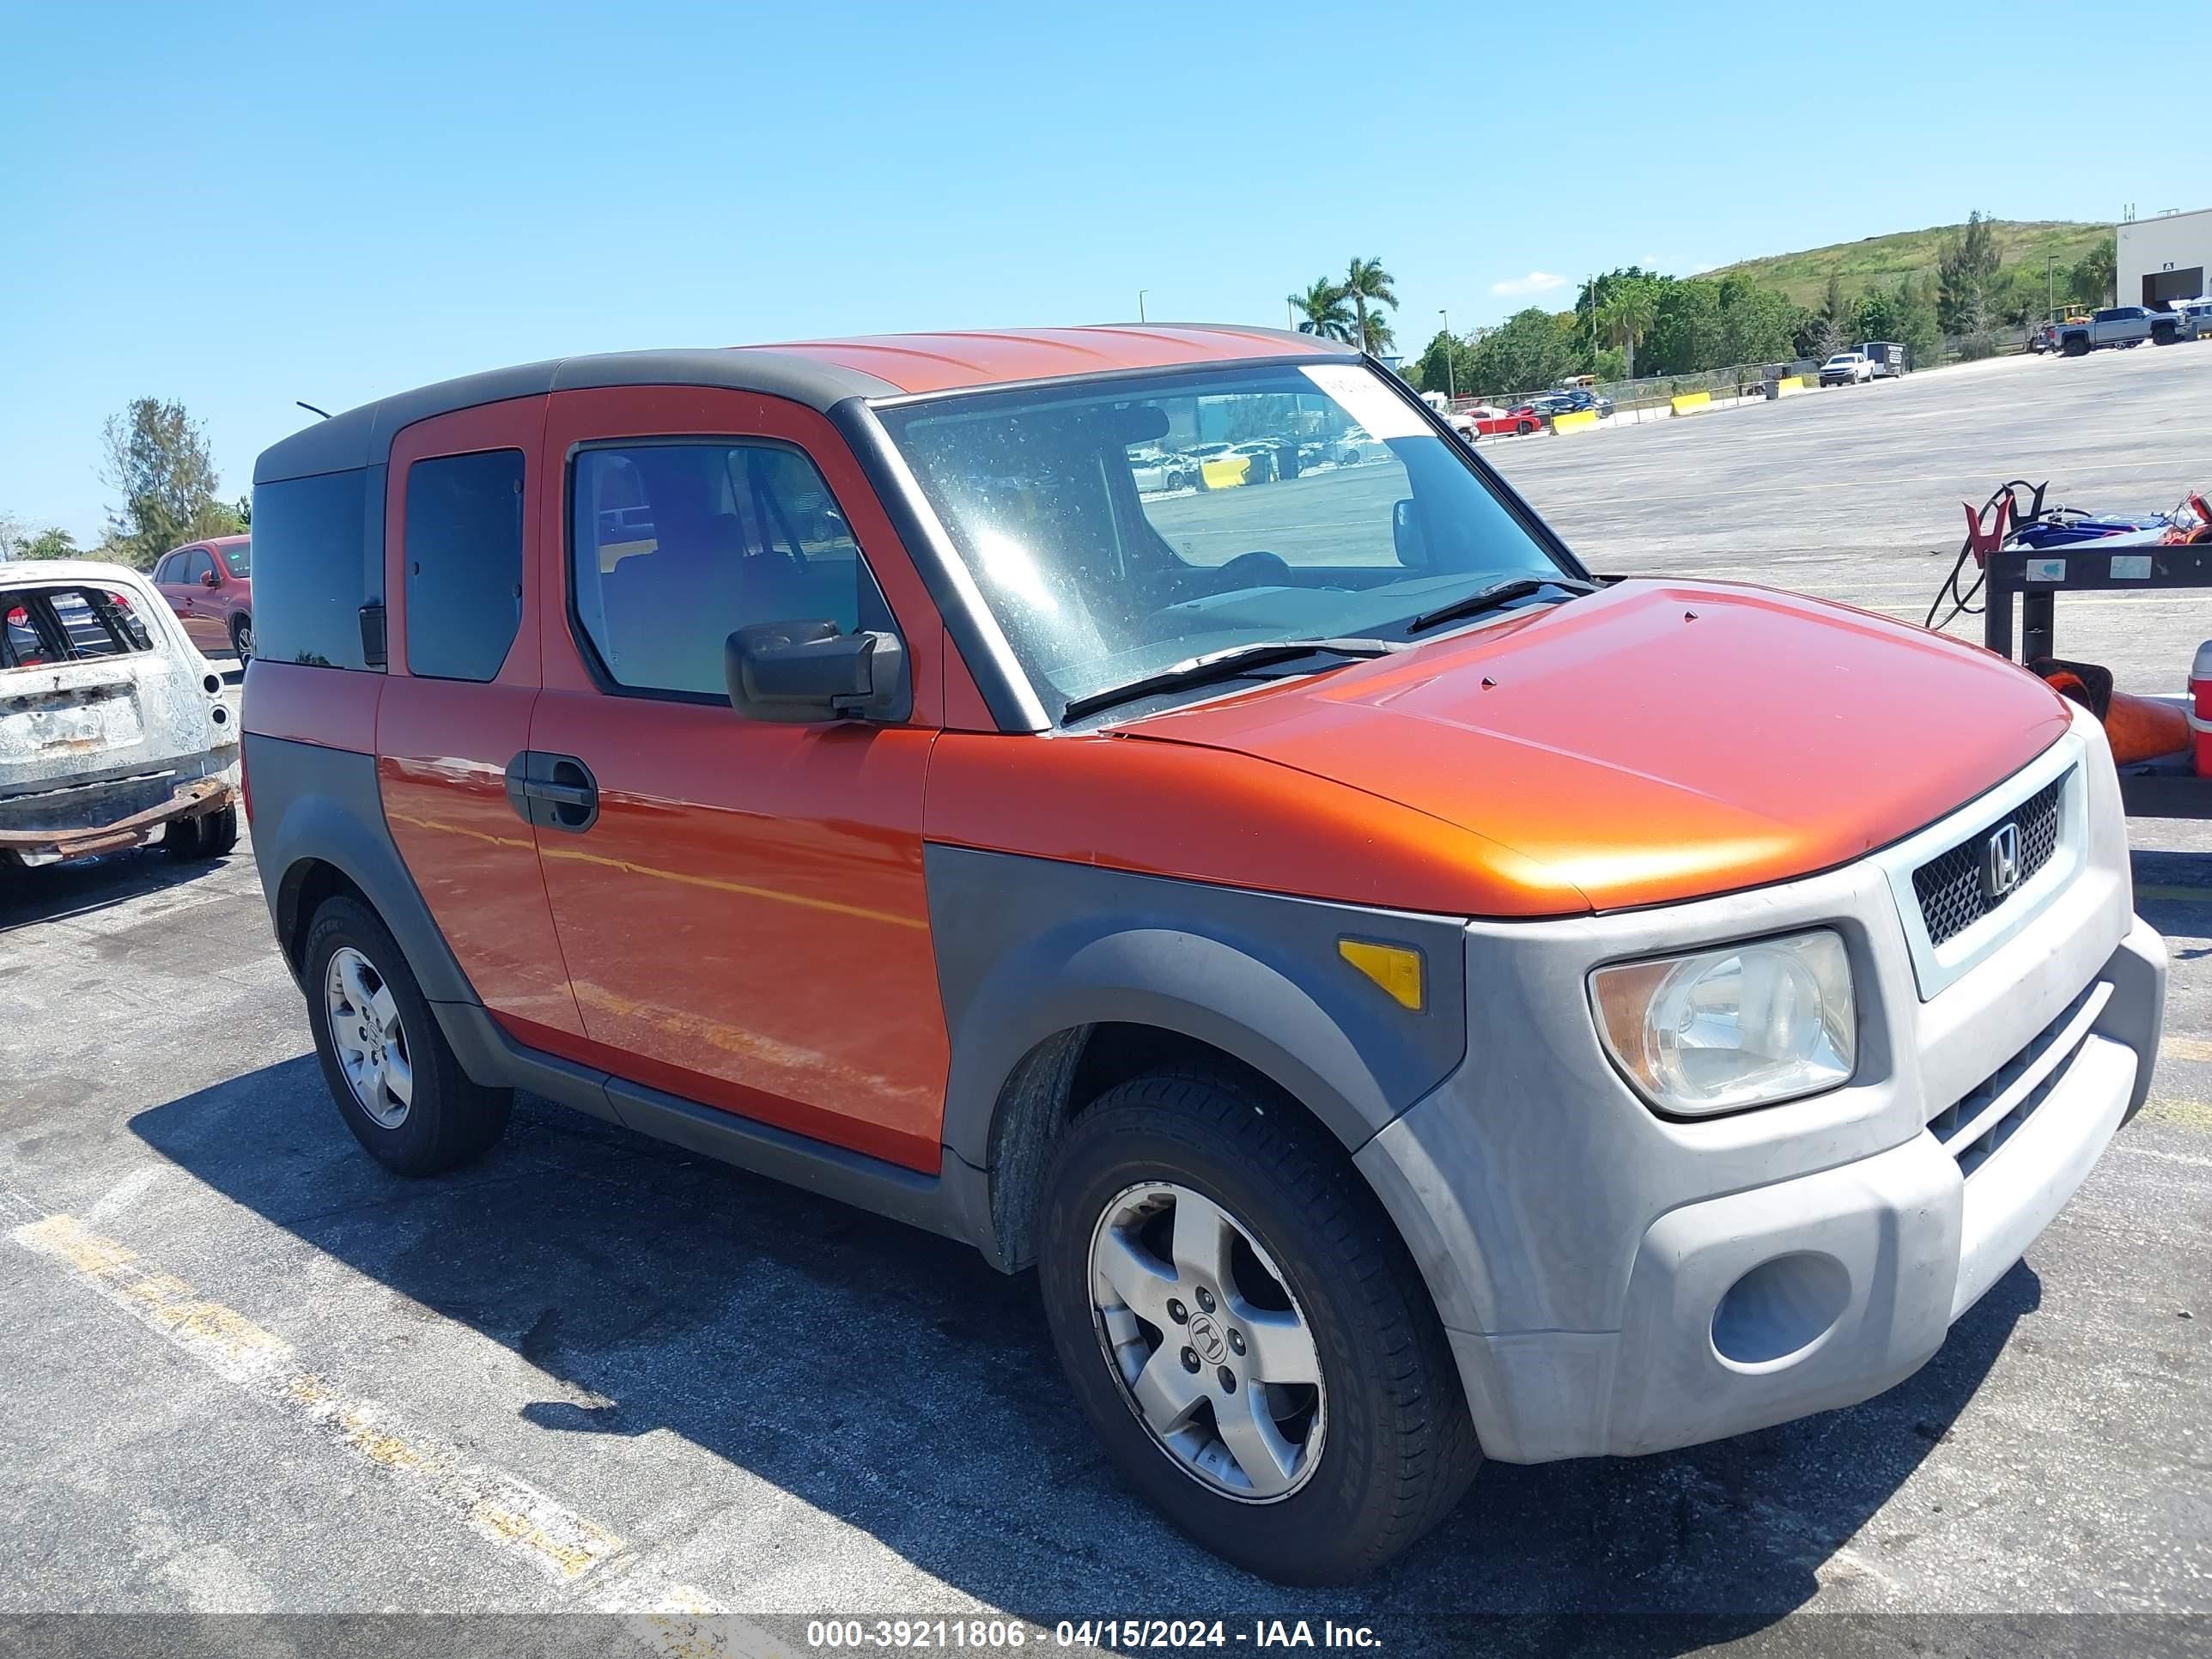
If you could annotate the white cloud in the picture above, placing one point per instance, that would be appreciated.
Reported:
(1536, 282)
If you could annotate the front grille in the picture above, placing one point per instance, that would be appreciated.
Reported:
(1953, 898)
(1972, 1128)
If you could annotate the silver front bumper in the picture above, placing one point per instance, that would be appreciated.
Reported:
(1615, 1282)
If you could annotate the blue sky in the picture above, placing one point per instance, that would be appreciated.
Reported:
(238, 205)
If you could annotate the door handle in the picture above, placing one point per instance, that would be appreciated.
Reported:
(562, 795)
(554, 791)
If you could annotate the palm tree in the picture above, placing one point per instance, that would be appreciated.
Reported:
(1379, 336)
(1626, 317)
(1366, 280)
(1322, 307)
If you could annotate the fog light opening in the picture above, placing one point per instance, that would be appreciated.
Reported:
(1779, 1309)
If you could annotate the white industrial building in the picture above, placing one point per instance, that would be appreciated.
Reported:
(2164, 260)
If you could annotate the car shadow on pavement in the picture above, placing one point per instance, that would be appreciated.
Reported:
(55, 892)
(894, 1382)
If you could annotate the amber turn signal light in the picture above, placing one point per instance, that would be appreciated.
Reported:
(1396, 968)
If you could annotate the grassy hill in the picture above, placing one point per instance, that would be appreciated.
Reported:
(1804, 277)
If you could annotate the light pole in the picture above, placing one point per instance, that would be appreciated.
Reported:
(1140, 303)
(1451, 376)
(2050, 283)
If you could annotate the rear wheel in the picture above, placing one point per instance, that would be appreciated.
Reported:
(397, 1081)
(209, 835)
(2075, 346)
(241, 637)
(1246, 1332)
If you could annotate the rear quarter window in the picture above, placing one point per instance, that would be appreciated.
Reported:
(319, 542)
(464, 563)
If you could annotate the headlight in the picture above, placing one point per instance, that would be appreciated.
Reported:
(1744, 1026)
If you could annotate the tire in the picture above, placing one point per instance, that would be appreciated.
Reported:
(446, 1119)
(2163, 336)
(241, 637)
(1381, 1446)
(1523, 429)
(2075, 346)
(207, 836)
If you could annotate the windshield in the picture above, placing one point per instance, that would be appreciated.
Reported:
(1303, 502)
(238, 560)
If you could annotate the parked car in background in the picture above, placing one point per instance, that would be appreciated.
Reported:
(1577, 398)
(112, 727)
(1157, 470)
(2116, 325)
(1846, 368)
(1403, 997)
(209, 585)
(1353, 447)
(2194, 317)
(1519, 421)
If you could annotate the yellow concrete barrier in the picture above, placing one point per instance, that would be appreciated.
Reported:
(1227, 473)
(1575, 420)
(1789, 387)
(1691, 402)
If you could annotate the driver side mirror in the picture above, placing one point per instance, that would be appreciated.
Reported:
(799, 672)
(209, 579)
(1406, 534)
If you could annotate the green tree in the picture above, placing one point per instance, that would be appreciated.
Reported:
(1447, 366)
(1966, 273)
(1685, 328)
(1625, 316)
(2095, 277)
(1839, 320)
(157, 460)
(1525, 352)
(52, 542)
(1323, 311)
(1757, 324)
(1367, 285)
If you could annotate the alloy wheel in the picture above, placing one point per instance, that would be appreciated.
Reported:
(1216, 1359)
(371, 1043)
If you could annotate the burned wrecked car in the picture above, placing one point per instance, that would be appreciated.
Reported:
(113, 728)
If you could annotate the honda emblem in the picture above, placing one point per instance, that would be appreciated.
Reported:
(2001, 862)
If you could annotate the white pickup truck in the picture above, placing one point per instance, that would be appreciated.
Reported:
(2119, 325)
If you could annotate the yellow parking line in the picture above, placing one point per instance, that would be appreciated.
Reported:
(500, 1507)
(2183, 1047)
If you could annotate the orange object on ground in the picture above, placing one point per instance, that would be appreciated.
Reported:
(2138, 728)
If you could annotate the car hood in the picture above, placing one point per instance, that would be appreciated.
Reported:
(1656, 741)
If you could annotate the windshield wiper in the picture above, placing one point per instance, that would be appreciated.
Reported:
(1228, 665)
(1497, 594)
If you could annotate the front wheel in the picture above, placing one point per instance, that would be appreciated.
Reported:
(1246, 1332)
(241, 637)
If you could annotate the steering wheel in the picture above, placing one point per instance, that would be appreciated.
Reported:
(1258, 568)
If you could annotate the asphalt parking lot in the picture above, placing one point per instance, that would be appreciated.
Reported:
(248, 1372)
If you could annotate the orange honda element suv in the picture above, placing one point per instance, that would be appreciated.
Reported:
(1411, 1000)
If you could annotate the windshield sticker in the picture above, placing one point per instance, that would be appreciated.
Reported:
(1367, 400)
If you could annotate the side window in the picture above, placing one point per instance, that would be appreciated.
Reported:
(321, 543)
(166, 569)
(674, 546)
(197, 566)
(464, 563)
